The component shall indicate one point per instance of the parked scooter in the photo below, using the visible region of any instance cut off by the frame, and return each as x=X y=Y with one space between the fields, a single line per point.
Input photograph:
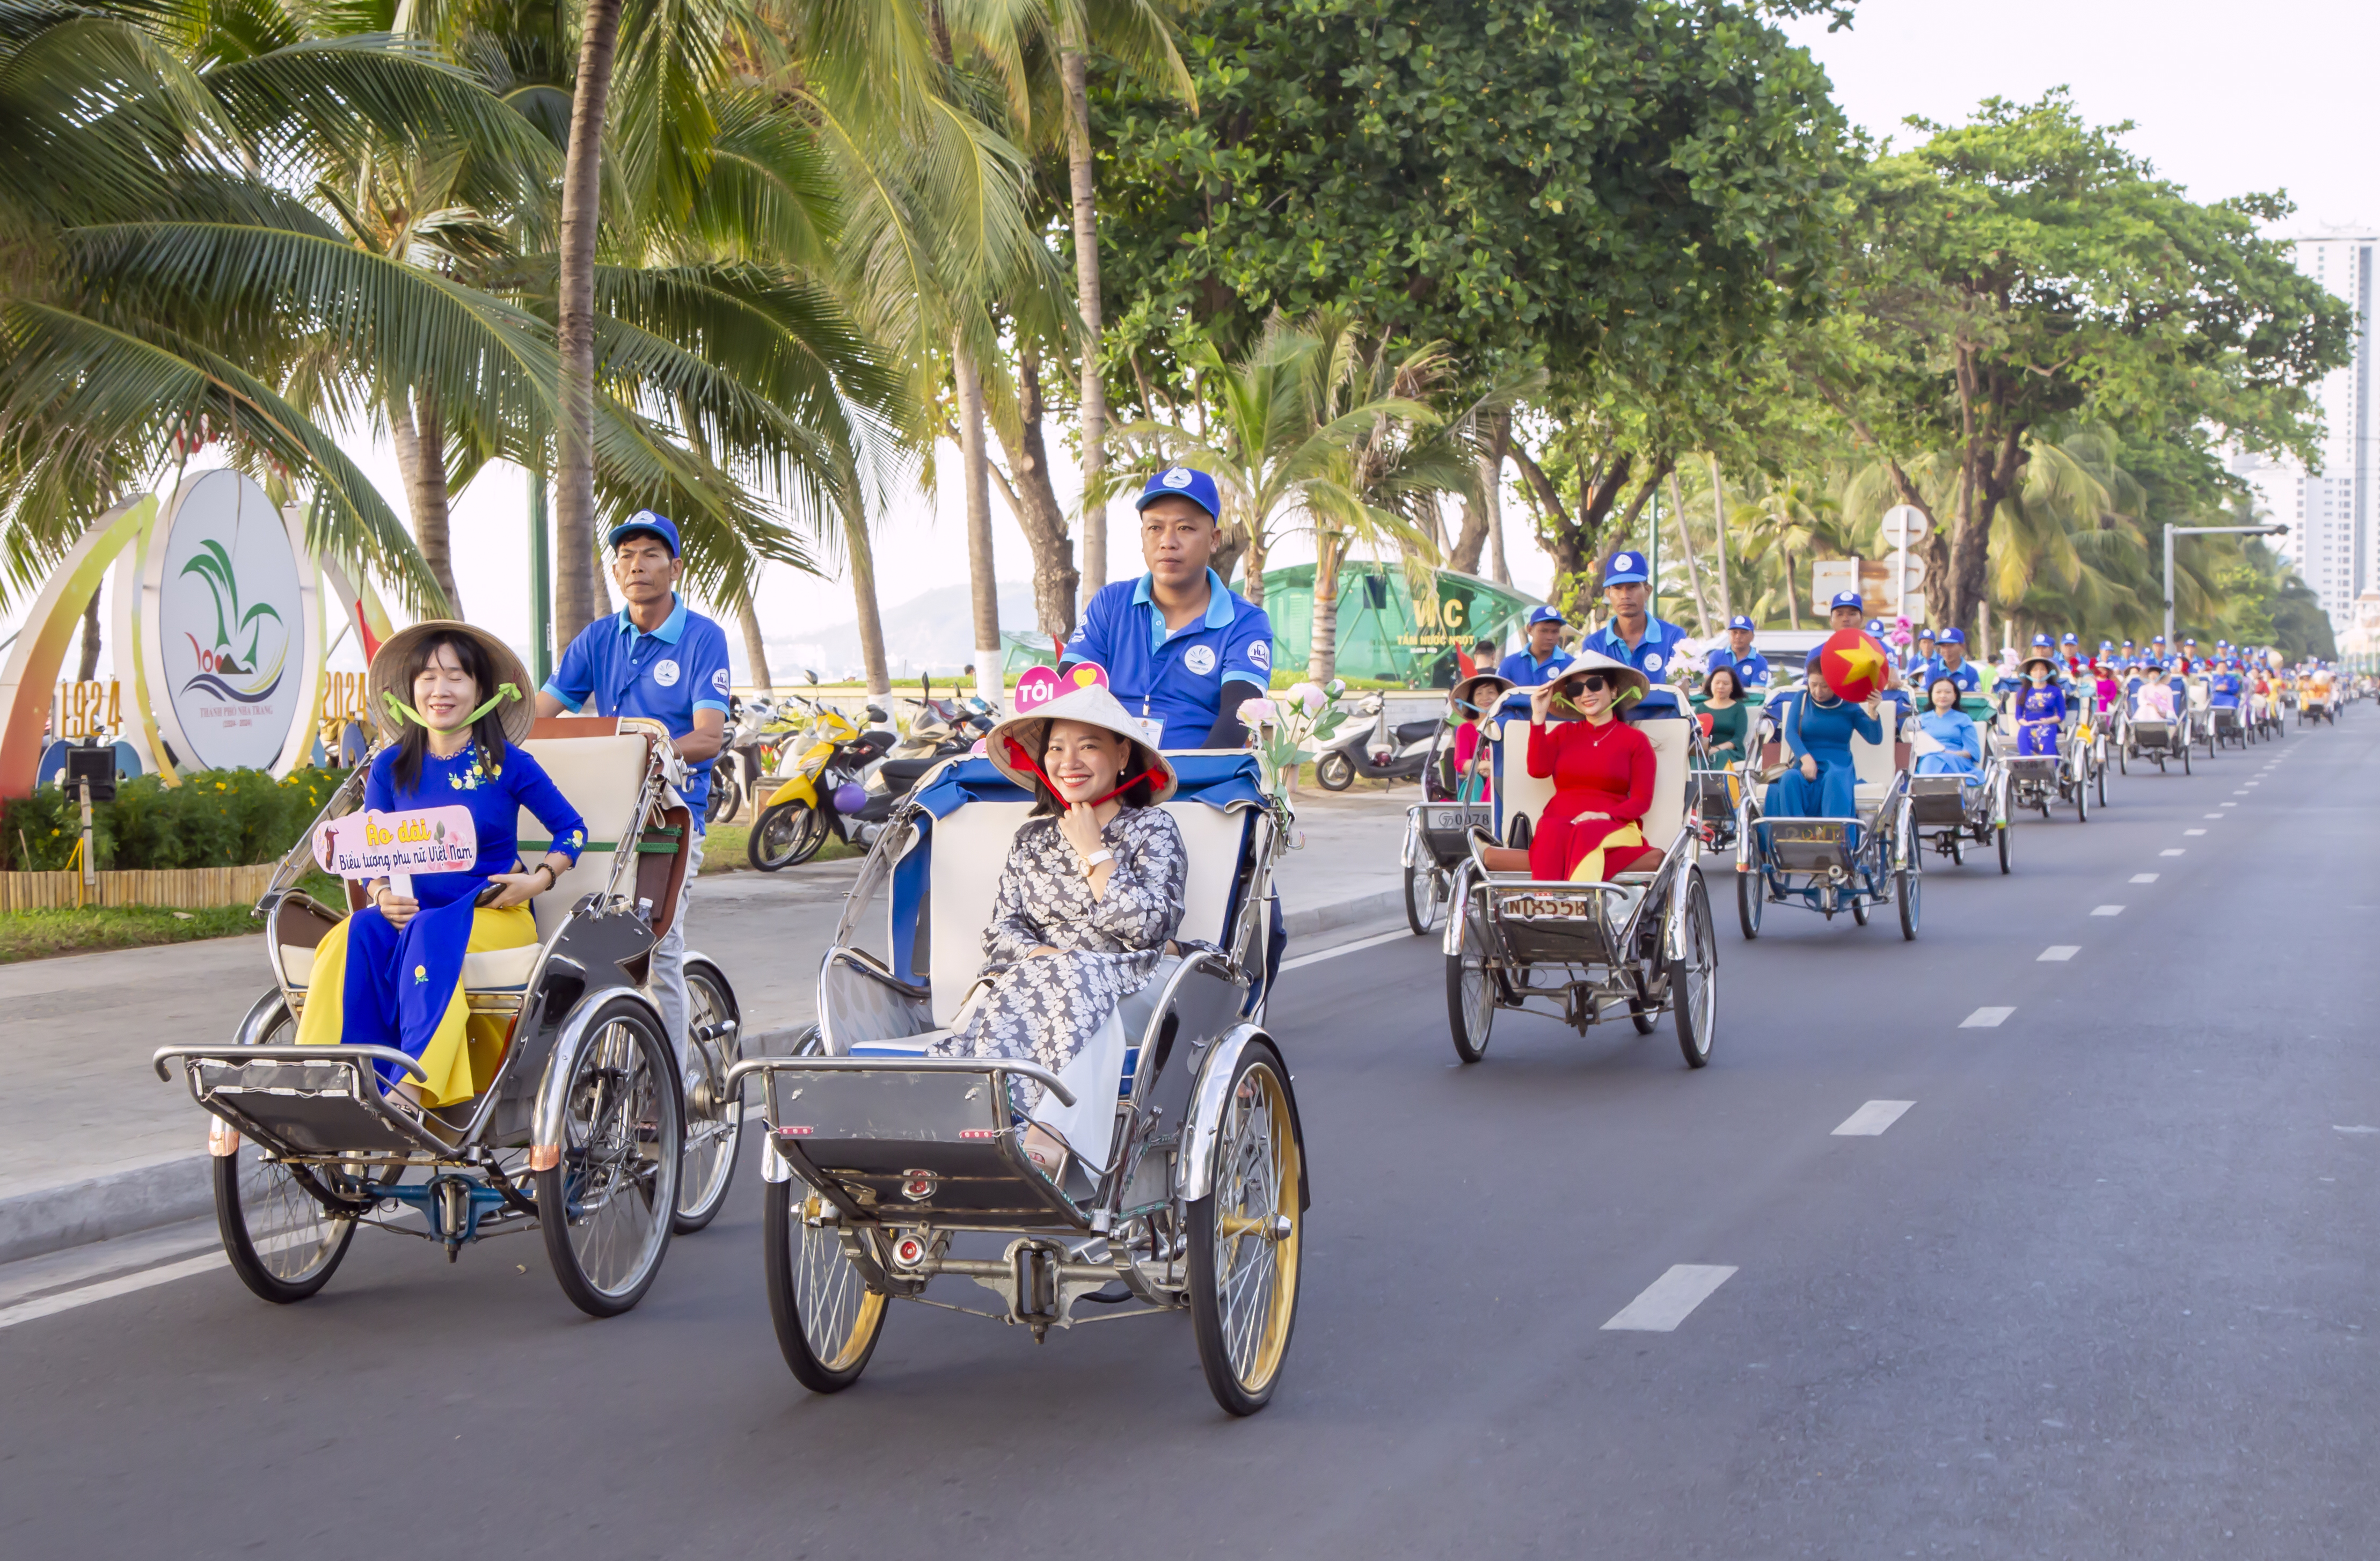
x=1374 y=750
x=758 y=731
x=845 y=784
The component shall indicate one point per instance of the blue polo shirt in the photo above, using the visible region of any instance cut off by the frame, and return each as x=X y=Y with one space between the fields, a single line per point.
x=1654 y=655
x=1527 y=670
x=1753 y=670
x=666 y=676
x=1968 y=680
x=2223 y=688
x=1175 y=677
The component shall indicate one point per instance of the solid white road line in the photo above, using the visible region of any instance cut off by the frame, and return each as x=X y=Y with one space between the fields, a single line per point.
x=2174 y=851
x=2058 y=953
x=1985 y=1018
x=1404 y=932
x=2108 y=910
x=1870 y=1120
x=1672 y=1299
x=106 y=1289
x=2147 y=877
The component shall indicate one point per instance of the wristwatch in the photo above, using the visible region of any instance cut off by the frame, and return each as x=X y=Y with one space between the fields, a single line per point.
x=1093 y=861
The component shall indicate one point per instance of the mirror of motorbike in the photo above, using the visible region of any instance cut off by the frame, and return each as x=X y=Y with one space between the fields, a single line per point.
x=875 y=713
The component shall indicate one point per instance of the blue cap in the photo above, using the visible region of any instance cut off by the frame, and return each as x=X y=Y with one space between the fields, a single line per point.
x=648 y=523
x=1625 y=568
x=1846 y=599
x=1182 y=483
x=2069 y=638
x=1951 y=636
x=1740 y=621
x=1542 y=614
x=1875 y=626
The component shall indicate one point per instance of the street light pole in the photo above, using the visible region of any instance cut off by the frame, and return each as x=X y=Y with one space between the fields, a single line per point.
x=2172 y=531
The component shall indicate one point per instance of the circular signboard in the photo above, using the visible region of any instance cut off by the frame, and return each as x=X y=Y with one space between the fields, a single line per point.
x=226 y=629
x=1904 y=523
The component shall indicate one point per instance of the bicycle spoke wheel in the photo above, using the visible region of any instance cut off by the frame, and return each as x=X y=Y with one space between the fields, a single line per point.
x=605 y=1207
x=827 y=1319
x=715 y=1119
x=1246 y=1236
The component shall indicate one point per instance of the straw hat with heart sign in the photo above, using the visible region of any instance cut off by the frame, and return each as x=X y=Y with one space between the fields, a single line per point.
x=1014 y=746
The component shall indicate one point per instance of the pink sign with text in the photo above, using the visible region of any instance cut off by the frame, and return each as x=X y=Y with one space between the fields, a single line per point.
x=376 y=845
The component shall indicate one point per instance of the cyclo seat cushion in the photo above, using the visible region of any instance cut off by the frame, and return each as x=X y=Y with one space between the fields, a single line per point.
x=502 y=970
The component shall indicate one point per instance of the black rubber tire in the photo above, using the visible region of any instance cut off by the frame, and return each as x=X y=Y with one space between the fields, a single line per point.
x=1702 y=948
x=2185 y=759
x=778 y=1208
x=1904 y=892
x=1750 y=894
x=1334 y=771
x=2002 y=831
x=725 y=800
x=256 y=1269
x=1258 y=1068
x=785 y=835
x=1469 y=1031
x=2100 y=784
x=665 y=1099
x=2082 y=802
x=1859 y=912
x=707 y=1098
x=1422 y=910
x=1645 y=1014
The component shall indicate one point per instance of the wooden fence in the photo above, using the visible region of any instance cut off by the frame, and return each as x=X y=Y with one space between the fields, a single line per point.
x=189 y=889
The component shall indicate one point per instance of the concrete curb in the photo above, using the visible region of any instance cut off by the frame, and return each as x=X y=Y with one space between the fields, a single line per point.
x=112 y=1203
x=137 y=1198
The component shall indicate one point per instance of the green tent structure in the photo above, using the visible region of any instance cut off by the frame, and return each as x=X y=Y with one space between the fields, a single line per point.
x=1384 y=634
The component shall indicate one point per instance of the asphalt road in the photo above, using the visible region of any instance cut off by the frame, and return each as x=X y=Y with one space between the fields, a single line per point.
x=2104 y=1289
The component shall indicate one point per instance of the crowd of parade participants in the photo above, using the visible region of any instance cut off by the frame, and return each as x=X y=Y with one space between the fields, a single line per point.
x=1165 y=670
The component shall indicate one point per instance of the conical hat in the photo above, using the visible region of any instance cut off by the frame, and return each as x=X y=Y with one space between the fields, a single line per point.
x=518 y=714
x=1620 y=672
x=1092 y=705
x=1472 y=689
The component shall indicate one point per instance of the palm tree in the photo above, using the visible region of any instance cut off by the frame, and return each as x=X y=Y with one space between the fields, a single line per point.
x=1275 y=439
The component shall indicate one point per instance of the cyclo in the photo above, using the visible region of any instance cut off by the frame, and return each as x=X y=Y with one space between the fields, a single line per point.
x=885 y=1165
x=2043 y=781
x=1640 y=942
x=1437 y=829
x=2150 y=738
x=1951 y=812
x=582 y=1133
x=1833 y=864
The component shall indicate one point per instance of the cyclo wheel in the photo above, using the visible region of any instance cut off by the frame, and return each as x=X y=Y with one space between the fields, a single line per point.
x=282 y=1240
x=714 y=1120
x=2002 y=831
x=786 y=834
x=1751 y=893
x=1246 y=1236
x=1904 y=892
x=1859 y=911
x=1422 y=888
x=1693 y=980
x=2185 y=758
x=607 y=1206
x=827 y=1319
x=1470 y=992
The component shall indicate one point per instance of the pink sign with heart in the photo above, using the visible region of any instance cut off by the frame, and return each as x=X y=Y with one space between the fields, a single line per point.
x=1040 y=684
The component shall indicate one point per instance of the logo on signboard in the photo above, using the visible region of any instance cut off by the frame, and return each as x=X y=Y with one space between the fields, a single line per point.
x=230 y=623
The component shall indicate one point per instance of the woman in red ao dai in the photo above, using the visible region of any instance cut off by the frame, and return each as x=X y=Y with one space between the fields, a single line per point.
x=1603 y=771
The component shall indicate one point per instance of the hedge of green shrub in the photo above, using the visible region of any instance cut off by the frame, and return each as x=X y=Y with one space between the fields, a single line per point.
x=215 y=818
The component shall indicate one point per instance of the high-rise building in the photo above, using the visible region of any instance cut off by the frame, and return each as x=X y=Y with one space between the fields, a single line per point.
x=2333 y=512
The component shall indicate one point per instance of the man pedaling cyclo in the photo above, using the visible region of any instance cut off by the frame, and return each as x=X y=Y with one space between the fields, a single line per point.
x=1180 y=647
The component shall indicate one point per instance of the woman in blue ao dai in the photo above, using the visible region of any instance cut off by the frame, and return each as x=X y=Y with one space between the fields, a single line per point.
x=391 y=974
x=2040 y=710
x=1820 y=781
x=1952 y=745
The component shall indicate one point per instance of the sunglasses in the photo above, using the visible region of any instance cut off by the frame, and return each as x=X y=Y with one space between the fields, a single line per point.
x=1593 y=683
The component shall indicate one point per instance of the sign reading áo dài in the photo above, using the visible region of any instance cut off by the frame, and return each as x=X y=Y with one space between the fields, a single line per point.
x=395 y=846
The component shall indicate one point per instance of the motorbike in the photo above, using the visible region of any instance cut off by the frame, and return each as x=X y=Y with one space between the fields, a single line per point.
x=845 y=784
x=758 y=731
x=1374 y=750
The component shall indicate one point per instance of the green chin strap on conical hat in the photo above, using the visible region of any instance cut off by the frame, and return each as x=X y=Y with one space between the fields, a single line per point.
x=389 y=696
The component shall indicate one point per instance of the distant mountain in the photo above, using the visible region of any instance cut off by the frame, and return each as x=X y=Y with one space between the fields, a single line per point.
x=933 y=633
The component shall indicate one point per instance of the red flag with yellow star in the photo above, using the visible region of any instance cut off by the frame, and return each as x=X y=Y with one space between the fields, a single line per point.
x=1854 y=664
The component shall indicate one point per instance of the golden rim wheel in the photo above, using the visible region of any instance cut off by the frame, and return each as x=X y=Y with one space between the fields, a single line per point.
x=1247 y=1236
x=827 y=1318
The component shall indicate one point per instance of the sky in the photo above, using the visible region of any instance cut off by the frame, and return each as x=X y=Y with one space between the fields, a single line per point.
x=2226 y=98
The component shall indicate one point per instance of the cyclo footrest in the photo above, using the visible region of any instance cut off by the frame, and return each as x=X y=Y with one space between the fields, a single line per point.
x=911 y=1141
x=304 y=1101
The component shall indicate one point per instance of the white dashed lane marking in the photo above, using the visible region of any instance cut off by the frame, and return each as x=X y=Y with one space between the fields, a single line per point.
x=1672 y=1299
x=1871 y=1120
x=1985 y=1018
x=2108 y=910
x=2189 y=832
x=2058 y=953
x=2149 y=877
x=2173 y=851
x=2214 y=816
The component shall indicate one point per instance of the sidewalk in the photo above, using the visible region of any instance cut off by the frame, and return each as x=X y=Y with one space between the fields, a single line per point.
x=97 y=1147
